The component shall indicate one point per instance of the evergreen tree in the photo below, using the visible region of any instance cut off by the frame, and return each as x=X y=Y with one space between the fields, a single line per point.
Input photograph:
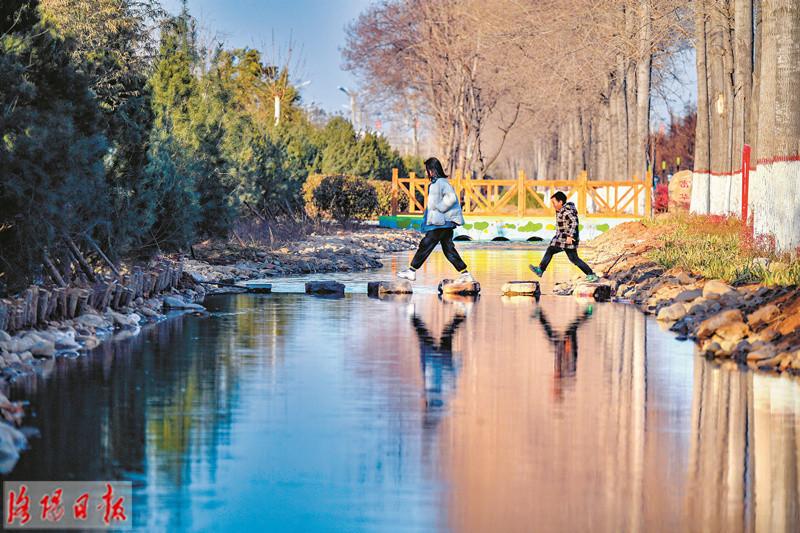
x=52 y=148
x=375 y=158
x=110 y=40
x=339 y=147
x=342 y=152
x=170 y=174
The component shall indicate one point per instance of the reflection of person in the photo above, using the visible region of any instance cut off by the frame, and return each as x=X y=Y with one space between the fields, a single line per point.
x=438 y=369
x=565 y=345
x=442 y=215
x=566 y=238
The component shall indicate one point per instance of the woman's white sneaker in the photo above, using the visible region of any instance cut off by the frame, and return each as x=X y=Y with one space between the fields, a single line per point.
x=408 y=274
x=465 y=277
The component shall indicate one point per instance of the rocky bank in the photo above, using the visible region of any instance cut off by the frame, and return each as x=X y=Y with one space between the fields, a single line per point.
x=338 y=252
x=750 y=325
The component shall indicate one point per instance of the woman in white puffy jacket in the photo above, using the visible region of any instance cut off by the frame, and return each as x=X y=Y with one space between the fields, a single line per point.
x=442 y=215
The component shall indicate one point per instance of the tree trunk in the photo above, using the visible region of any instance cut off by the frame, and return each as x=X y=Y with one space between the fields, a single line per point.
x=742 y=87
x=644 y=64
x=718 y=91
x=701 y=198
x=776 y=188
x=752 y=122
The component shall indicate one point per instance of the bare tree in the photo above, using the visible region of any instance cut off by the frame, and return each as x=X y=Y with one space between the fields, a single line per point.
x=571 y=77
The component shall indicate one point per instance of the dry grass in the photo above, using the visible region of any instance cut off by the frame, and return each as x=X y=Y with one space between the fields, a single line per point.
x=721 y=247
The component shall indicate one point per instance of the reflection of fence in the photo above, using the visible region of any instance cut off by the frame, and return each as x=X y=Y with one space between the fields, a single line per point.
x=524 y=197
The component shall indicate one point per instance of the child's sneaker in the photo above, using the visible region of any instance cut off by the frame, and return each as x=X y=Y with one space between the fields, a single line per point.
x=592 y=278
x=408 y=274
x=465 y=277
x=536 y=270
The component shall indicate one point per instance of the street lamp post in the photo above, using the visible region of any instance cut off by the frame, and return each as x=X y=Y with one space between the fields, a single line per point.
x=278 y=97
x=352 y=96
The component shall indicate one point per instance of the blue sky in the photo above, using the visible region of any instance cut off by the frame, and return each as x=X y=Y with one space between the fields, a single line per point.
x=317 y=30
x=316 y=27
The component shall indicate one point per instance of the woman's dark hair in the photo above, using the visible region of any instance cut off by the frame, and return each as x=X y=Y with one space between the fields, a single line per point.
x=560 y=196
x=435 y=167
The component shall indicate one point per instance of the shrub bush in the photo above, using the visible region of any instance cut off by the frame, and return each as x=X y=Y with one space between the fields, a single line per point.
x=309 y=186
x=384 y=190
x=345 y=198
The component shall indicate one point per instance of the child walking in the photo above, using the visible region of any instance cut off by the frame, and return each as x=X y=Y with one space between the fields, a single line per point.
x=566 y=237
x=442 y=214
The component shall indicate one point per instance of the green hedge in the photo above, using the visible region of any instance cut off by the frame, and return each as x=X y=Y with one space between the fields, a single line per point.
x=345 y=198
x=383 y=191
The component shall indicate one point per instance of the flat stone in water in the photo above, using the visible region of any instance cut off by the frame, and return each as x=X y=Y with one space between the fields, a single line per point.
x=599 y=291
x=521 y=288
x=379 y=288
x=451 y=286
x=324 y=287
x=258 y=287
x=172 y=302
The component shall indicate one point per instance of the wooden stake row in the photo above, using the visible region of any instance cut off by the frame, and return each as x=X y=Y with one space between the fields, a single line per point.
x=37 y=305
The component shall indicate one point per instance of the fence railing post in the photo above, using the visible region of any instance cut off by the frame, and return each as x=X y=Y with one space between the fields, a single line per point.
x=521 y=193
x=648 y=196
x=412 y=188
x=583 y=178
x=464 y=180
x=395 y=186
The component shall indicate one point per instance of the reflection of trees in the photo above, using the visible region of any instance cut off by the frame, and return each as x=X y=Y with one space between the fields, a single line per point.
x=192 y=404
x=776 y=413
x=744 y=469
x=155 y=408
x=516 y=461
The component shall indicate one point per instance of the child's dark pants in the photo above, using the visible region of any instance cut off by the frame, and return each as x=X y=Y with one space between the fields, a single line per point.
x=572 y=255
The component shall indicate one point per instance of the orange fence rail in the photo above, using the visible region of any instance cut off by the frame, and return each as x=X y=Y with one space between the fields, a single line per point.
x=524 y=197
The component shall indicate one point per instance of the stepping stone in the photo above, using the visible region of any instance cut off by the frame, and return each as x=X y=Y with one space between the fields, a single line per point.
x=451 y=286
x=324 y=287
x=522 y=288
x=258 y=287
x=379 y=288
x=600 y=292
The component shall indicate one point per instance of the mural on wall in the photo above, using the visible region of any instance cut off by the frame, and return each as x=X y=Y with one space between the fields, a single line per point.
x=477 y=228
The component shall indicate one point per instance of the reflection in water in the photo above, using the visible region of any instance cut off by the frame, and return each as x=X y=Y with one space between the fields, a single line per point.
x=565 y=346
x=518 y=458
x=283 y=412
x=744 y=451
x=155 y=409
x=438 y=369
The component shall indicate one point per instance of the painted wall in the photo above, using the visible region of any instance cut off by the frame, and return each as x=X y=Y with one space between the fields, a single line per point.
x=479 y=228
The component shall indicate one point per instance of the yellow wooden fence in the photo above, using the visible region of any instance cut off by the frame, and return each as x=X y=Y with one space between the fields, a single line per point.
x=525 y=197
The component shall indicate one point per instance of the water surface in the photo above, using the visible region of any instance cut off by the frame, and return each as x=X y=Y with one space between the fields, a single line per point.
x=288 y=412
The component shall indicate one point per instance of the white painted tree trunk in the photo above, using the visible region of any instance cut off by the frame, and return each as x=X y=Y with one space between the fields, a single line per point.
x=775 y=187
x=701 y=198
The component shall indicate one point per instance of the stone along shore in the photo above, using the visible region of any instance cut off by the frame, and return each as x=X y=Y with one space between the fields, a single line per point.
x=753 y=325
